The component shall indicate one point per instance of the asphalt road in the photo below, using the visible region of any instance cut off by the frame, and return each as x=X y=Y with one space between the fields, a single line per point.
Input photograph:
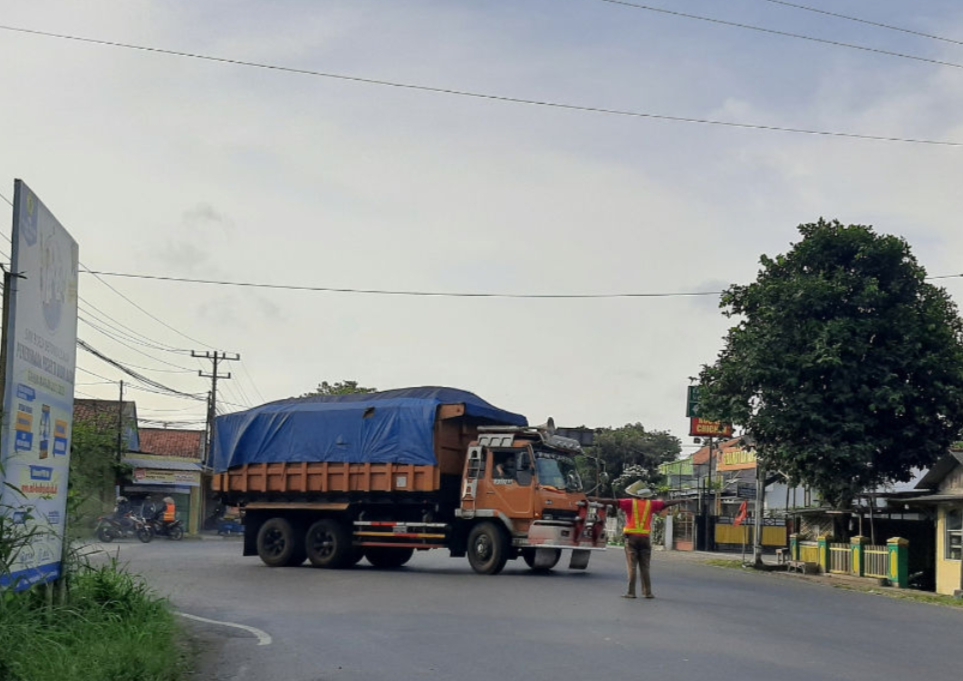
x=436 y=619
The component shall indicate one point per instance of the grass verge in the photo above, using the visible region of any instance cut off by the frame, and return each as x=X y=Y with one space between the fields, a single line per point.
x=111 y=627
x=726 y=563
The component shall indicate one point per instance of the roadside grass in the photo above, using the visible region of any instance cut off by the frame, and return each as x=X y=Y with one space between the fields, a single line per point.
x=868 y=588
x=726 y=563
x=109 y=627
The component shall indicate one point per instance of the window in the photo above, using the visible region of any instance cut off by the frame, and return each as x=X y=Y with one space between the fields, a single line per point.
x=954 y=534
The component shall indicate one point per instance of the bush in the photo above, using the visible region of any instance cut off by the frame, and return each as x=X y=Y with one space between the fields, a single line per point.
x=110 y=627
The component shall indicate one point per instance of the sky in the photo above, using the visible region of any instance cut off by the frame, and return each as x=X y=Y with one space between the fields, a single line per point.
x=180 y=167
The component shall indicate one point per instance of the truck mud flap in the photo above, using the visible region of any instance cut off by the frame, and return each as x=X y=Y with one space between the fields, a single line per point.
x=580 y=559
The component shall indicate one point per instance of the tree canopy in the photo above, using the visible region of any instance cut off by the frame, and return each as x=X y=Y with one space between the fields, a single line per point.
x=325 y=389
x=845 y=366
x=632 y=453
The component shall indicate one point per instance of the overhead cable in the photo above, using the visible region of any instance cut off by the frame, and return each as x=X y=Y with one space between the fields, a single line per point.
x=785 y=34
x=130 y=372
x=864 y=21
x=436 y=294
x=521 y=100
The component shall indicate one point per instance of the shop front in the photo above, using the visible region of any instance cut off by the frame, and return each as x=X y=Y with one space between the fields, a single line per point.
x=156 y=477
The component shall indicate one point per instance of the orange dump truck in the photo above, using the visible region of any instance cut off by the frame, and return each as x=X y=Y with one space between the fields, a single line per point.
x=379 y=476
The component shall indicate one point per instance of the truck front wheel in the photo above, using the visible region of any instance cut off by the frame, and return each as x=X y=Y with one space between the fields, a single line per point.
x=277 y=544
x=329 y=544
x=487 y=549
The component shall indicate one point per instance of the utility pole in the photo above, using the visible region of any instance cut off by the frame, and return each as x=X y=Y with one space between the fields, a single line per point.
x=760 y=507
x=216 y=358
x=120 y=423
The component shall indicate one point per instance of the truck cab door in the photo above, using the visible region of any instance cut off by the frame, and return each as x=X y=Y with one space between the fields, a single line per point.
x=508 y=485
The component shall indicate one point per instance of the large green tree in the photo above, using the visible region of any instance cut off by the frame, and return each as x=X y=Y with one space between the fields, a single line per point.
x=632 y=453
x=845 y=366
x=326 y=389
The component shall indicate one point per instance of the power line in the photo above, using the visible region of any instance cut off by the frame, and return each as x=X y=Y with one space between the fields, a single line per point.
x=387 y=292
x=122 y=338
x=785 y=34
x=130 y=372
x=155 y=318
x=7 y=200
x=437 y=294
x=521 y=100
x=251 y=381
x=117 y=325
x=864 y=21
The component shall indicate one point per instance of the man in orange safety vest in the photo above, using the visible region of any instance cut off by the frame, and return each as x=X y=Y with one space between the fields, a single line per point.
x=639 y=510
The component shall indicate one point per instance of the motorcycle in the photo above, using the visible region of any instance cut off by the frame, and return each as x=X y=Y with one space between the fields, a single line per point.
x=110 y=527
x=174 y=530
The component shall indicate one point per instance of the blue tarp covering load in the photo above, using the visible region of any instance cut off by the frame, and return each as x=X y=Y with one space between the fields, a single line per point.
x=395 y=426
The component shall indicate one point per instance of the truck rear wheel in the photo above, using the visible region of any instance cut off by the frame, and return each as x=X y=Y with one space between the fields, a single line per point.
x=328 y=544
x=387 y=558
x=487 y=549
x=277 y=544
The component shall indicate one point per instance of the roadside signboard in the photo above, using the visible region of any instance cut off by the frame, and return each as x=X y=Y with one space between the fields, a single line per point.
x=39 y=393
x=692 y=402
x=702 y=428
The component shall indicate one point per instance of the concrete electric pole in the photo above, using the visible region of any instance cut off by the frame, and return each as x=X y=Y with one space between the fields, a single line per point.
x=216 y=358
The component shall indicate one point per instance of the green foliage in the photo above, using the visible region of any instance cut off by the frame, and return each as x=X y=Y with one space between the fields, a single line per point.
x=111 y=628
x=326 y=389
x=845 y=366
x=632 y=453
x=94 y=471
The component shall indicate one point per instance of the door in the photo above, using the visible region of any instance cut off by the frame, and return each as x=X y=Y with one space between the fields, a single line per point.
x=508 y=485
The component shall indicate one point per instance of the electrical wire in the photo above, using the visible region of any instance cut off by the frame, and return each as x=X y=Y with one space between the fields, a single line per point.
x=521 y=100
x=130 y=372
x=437 y=294
x=152 y=316
x=864 y=21
x=251 y=381
x=388 y=292
x=118 y=336
x=785 y=34
x=117 y=326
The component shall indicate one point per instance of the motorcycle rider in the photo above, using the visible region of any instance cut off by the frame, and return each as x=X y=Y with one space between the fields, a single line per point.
x=120 y=514
x=170 y=512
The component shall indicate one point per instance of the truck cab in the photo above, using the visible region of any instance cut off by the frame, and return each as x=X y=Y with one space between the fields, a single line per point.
x=525 y=479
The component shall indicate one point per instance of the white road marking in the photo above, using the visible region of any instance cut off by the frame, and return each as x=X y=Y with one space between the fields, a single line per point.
x=263 y=639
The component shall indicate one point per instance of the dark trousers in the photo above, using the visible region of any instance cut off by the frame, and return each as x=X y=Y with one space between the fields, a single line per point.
x=638 y=556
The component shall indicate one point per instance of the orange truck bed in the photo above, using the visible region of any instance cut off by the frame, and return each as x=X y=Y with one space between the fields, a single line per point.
x=305 y=478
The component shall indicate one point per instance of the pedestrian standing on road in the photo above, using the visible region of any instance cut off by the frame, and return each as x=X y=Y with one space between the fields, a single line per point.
x=639 y=509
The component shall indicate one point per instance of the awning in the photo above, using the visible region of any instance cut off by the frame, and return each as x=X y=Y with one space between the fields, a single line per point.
x=935 y=498
x=162 y=465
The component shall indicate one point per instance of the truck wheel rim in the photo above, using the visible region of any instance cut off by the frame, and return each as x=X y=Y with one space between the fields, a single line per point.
x=274 y=543
x=323 y=544
x=483 y=547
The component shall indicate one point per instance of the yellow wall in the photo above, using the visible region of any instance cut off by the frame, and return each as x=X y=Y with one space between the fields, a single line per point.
x=947 y=571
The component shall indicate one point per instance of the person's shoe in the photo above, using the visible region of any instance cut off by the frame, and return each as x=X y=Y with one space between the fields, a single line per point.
x=648 y=596
x=628 y=595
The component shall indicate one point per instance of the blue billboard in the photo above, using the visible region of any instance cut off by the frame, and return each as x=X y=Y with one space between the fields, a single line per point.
x=41 y=353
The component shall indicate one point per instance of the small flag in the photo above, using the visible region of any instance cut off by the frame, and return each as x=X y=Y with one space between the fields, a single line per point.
x=743 y=514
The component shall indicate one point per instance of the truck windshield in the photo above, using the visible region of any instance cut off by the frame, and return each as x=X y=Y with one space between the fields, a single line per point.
x=558 y=471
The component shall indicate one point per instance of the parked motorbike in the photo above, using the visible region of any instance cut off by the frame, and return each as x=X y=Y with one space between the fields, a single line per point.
x=174 y=530
x=110 y=527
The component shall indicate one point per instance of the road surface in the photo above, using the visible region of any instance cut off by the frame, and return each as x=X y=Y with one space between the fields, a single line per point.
x=436 y=619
